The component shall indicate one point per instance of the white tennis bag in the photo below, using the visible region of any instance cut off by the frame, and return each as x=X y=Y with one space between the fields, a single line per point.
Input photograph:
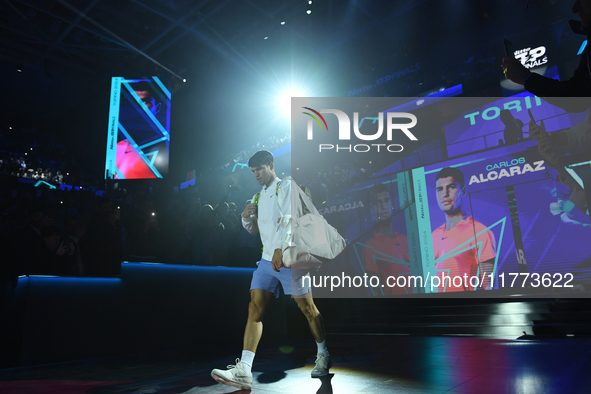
x=309 y=241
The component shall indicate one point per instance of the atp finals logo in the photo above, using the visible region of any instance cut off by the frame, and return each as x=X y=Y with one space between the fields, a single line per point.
x=345 y=130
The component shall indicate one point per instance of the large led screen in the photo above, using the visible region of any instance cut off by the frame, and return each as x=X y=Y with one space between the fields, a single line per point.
x=506 y=211
x=139 y=129
x=493 y=221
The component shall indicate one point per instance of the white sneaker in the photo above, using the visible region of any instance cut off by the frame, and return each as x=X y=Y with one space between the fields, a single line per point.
x=235 y=376
x=323 y=364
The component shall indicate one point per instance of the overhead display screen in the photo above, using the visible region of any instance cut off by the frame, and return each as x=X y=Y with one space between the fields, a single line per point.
x=139 y=129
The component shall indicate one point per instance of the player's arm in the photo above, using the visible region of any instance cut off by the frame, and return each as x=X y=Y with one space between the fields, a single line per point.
x=277 y=260
x=249 y=220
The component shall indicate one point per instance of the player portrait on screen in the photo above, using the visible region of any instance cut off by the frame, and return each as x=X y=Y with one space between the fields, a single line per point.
x=461 y=244
x=386 y=252
x=144 y=92
x=134 y=114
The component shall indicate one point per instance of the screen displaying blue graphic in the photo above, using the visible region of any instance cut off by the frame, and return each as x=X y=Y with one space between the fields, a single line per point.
x=486 y=126
x=476 y=210
x=139 y=129
x=511 y=218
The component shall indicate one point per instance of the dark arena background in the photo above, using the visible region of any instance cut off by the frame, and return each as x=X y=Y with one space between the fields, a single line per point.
x=125 y=134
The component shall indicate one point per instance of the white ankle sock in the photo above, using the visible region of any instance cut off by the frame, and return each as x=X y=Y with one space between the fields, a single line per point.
x=247 y=359
x=322 y=349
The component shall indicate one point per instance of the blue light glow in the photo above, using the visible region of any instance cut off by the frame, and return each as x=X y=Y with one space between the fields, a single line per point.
x=110 y=161
x=131 y=264
x=43 y=182
x=582 y=48
x=164 y=89
x=185 y=185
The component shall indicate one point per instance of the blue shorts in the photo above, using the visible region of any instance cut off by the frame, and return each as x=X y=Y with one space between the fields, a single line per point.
x=265 y=278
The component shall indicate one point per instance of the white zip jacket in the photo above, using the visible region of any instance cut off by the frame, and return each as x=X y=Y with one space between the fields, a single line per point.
x=273 y=210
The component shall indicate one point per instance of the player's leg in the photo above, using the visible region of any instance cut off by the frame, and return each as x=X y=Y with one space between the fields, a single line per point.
x=262 y=288
x=312 y=314
x=316 y=323
x=259 y=300
x=240 y=375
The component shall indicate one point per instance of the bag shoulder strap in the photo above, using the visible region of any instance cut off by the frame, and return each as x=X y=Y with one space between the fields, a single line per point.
x=307 y=202
x=307 y=207
x=257 y=196
x=309 y=194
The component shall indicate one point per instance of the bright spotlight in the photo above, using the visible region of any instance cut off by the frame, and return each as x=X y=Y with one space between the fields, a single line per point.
x=285 y=100
x=184 y=80
x=309 y=12
x=287 y=85
x=283 y=22
x=310 y=2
